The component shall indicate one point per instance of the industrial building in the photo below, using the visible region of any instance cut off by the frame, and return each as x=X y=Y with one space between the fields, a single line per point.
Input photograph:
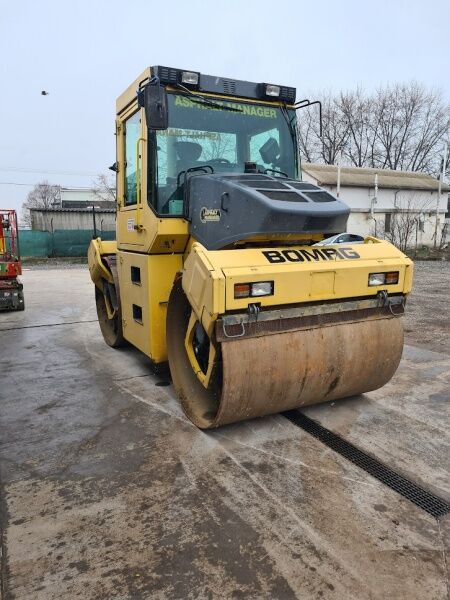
x=82 y=198
x=51 y=219
x=375 y=195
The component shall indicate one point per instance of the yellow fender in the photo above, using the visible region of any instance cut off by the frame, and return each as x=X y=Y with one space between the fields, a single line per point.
x=97 y=267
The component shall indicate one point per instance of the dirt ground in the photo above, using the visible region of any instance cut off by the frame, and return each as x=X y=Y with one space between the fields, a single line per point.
x=108 y=492
x=428 y=309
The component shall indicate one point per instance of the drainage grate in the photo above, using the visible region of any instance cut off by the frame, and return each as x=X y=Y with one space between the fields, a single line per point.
x=433 y=505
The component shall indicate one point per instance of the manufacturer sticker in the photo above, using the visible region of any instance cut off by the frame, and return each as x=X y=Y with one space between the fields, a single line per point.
x=276 y=256
x=130 y=225
x=247 y=109
x=208 y=215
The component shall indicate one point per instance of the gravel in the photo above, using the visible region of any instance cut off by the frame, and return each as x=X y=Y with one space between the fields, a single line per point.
x=427 y=322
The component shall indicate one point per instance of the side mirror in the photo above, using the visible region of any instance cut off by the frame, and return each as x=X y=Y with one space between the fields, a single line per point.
x=153 y=98
x=269 y=151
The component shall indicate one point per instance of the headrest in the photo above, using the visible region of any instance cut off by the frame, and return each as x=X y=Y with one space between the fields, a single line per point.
x=188 y=150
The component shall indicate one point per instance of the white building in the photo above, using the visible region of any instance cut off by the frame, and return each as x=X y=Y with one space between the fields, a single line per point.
x=81 y=198
x=412 y=195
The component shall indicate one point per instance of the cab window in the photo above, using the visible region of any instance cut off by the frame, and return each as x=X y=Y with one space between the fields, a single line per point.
x=219 y=137
x=181 y=149
x=257 y=142
x=132 y=134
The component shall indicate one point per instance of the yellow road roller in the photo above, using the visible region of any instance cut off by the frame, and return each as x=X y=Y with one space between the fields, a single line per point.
x=215 y=268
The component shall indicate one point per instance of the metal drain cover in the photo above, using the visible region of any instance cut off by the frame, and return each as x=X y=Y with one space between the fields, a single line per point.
x=433 y=505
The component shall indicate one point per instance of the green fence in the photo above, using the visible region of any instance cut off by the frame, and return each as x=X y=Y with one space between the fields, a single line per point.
x=62 y=242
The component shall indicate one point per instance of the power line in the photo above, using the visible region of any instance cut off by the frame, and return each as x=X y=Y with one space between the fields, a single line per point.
x=72 y=187
x=15 y=183
x=48 y=172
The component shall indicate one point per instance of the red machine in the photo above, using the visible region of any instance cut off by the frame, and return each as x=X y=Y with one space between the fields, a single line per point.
x=11 y=290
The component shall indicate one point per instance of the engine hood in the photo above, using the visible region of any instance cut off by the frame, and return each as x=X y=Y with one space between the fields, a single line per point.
x=224 y=209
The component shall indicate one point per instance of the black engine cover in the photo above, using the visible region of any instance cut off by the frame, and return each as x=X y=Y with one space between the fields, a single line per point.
x=228 y=208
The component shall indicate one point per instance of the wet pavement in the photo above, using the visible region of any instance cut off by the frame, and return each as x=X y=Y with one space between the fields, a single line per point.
x=108 y=491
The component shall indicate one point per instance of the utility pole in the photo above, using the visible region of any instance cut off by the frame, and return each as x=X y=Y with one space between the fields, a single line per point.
x=372 y=204
x=338 y=187
x=94 y=223
x=441 y=181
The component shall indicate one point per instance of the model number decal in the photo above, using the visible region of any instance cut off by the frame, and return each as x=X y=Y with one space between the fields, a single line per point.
x=209 y=214
x=277 y=256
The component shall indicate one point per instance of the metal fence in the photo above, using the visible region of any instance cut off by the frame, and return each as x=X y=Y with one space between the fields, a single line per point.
x=60 y=243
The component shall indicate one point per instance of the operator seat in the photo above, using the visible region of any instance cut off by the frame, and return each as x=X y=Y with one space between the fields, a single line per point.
x=188 y=154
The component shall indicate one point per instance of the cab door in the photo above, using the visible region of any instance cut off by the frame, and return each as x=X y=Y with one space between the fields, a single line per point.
x=131 y=179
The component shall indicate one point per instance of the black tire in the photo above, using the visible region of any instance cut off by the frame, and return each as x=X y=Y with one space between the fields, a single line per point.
x=111 y=328
x=22 y=306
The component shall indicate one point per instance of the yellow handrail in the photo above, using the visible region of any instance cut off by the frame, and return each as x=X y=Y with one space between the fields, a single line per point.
x=138 y=225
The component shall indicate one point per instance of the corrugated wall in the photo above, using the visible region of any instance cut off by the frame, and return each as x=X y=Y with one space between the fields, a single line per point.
x=62 y=242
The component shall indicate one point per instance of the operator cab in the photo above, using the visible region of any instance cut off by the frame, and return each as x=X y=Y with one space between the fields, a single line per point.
x=217 y=138
x=201 y=124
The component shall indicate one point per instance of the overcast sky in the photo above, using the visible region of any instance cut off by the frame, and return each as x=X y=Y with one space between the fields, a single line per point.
x=85 y=52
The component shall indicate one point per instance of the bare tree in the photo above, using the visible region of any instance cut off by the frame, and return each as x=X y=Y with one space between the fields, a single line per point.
x=334 y=136
x=308 y=136
x=43 y=195
x=412 y=123
x=357 y=111
x=104 y=188
x=406 y=220
x=444 y=234
x=403 y=126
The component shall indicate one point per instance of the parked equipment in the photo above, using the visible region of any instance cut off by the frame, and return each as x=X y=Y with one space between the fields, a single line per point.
x=11 y=289
x=214 y=269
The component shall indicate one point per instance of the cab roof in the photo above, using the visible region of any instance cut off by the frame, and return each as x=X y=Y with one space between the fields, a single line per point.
x=211 y=84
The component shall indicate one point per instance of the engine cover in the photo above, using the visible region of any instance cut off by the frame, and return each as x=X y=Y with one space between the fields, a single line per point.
x=227 y=208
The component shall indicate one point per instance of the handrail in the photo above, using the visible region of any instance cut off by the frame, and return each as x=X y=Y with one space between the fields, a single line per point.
x=138 y=225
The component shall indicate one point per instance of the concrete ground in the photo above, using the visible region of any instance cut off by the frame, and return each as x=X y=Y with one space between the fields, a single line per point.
x=108 y=491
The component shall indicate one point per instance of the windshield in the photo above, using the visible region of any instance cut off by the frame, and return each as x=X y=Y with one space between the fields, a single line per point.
x=200 y=134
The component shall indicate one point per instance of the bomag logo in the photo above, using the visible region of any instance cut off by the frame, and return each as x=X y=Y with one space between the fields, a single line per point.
x=277 y=256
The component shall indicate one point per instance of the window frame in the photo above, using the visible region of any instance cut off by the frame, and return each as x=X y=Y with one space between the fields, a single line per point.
x=138 y=112
x=242 y=144
x=387 y=222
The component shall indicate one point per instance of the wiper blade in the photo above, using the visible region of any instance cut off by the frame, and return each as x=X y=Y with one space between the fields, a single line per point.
x=197 y=99
x=276 y=171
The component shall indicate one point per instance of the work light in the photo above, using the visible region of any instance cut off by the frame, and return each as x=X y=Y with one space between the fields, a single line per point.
x=255 y=289
x=390 y=278
x=189 y=78
x=272 y=90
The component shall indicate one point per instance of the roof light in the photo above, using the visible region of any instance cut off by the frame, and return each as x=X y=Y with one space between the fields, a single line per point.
x=269 y=90
x=189 y=78
x=272 y=90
